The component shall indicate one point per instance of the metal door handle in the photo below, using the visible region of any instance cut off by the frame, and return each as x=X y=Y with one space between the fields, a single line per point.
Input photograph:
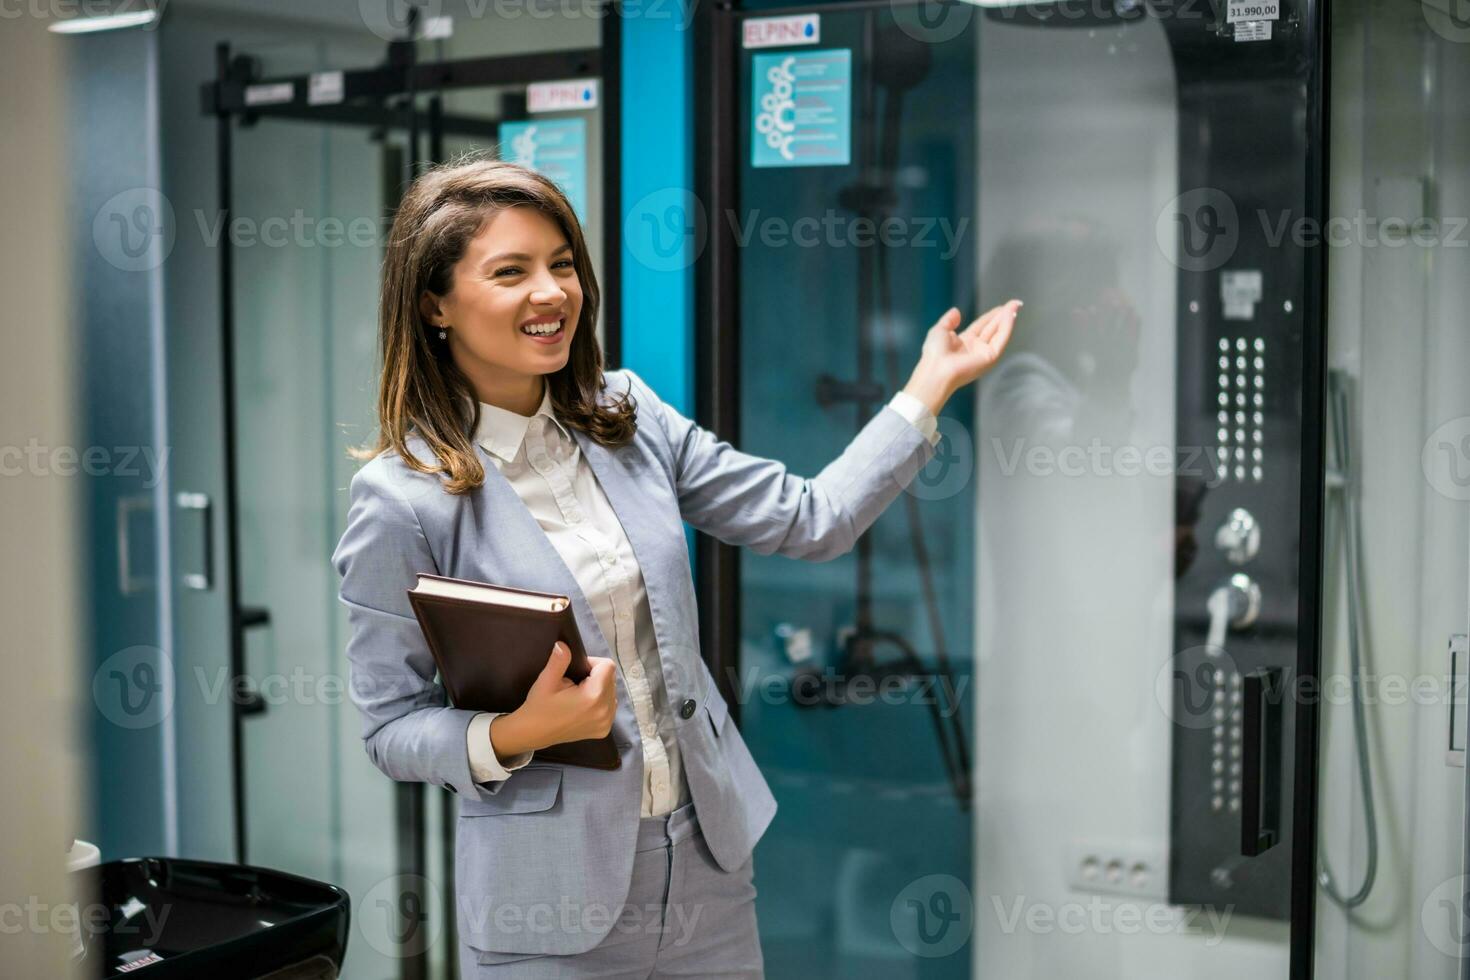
x=1260 y=803
x=1455 y=754
x=203 y=579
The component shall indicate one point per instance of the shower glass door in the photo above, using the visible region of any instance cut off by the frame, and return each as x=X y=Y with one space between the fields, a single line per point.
x=311 y=202
x=1041 y=721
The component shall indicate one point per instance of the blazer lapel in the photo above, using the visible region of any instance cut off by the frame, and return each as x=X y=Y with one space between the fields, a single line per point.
x=629 y=503
x=523 y=556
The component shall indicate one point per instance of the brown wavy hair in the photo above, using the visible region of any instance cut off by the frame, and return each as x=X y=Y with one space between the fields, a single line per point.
x=420 y=388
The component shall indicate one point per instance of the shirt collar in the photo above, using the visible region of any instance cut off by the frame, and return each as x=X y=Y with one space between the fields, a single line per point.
x=502 y=431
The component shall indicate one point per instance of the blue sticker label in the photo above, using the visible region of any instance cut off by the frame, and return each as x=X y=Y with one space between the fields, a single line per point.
x=556 y=148
x=803 y=109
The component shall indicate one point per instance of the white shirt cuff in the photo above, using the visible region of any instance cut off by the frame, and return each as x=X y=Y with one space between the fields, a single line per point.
x=918 y=415
x=485 y=767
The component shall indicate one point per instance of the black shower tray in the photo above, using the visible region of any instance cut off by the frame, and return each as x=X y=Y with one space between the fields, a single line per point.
x=170 y=917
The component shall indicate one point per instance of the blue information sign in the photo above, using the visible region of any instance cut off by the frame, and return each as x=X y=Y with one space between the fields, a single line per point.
x=803 y=108
x=556 y=148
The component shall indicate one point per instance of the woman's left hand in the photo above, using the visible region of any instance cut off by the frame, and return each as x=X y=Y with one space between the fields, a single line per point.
x=951 y=360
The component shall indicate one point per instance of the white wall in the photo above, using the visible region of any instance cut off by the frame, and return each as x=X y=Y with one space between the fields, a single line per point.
x=39 y=587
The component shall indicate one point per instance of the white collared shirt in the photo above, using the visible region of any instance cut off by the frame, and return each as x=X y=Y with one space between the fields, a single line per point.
x=541 y=460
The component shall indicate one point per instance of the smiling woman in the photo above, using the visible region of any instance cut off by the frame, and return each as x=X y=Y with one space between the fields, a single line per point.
x=545 y=481
x=491 y=293
x=483 y=255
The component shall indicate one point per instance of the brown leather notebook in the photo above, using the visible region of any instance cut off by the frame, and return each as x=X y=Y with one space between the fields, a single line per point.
x=492 y=641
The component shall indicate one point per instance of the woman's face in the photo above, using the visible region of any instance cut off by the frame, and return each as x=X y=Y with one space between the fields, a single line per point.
x=516 y=273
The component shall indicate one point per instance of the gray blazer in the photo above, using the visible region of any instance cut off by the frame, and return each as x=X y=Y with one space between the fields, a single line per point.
x=543 y=859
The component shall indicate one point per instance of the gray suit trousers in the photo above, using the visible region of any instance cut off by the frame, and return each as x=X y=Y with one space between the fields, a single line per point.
x=684 y=916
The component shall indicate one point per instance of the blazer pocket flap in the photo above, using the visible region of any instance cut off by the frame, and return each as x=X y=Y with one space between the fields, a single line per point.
x=528 y=790
x=715 y=704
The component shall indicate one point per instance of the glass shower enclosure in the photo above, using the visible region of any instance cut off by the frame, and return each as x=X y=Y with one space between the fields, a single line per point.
x=1042 y=720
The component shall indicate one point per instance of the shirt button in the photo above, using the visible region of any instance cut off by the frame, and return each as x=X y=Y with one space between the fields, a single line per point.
x=622 y=617
x=686 y=710
x=636 y=670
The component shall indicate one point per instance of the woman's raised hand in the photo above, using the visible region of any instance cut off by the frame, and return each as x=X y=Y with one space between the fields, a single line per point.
x=558 y=710
x=950 y=360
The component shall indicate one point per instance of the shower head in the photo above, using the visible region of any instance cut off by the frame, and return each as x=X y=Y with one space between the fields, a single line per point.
x=900 y=60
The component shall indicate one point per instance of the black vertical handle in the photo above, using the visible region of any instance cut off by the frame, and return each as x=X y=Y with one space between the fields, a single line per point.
x=1260 y=803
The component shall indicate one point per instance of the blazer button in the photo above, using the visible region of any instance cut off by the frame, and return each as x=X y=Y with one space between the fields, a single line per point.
x=686 y=710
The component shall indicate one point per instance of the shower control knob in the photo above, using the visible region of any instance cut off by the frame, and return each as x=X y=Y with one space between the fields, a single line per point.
x=1245 y=600
x=1239 y=537
x=796 y=642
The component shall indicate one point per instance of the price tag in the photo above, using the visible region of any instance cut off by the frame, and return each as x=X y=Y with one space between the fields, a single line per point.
x=324 y=88
x=1240 y=10
x=269 y=93
x=1253 y=30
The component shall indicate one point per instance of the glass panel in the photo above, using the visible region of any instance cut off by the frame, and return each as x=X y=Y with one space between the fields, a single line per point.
x=1097 y=562
x=1394 y=714
x=312 y=203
